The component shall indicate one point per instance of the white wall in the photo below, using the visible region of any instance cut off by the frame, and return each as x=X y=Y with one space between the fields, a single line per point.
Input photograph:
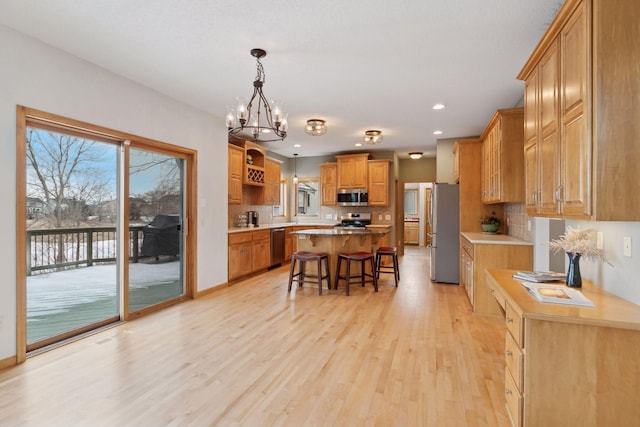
x=445 y=160
x=38 y=76
x=623 y=277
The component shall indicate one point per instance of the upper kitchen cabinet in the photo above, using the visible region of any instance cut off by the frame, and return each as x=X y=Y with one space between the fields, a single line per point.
x=581 y=108
x=254 y=163
x=378 y=182
x=502 y=159
x=328 y=183
x=352 y=170
x=271 y=182
x=236 y=161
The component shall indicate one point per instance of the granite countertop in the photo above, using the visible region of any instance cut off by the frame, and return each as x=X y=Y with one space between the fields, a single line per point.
x=493 y=239
x=281 y=224
x=340 y=232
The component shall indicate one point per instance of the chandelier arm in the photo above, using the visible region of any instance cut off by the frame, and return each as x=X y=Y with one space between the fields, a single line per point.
x=267 y=111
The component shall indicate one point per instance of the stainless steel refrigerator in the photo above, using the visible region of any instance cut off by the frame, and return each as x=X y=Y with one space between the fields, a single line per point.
x=444 y=219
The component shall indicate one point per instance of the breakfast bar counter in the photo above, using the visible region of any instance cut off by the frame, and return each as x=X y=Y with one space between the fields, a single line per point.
x=335 y=241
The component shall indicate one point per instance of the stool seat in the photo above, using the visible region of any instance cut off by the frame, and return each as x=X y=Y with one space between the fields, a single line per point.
x=385 y=250
x=363 y=277
x=393 y=253
x=302 y=277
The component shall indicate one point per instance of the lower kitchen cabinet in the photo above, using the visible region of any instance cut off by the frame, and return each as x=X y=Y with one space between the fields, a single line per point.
x=479 y=252
x=568 y=365
x=249 y=251
x=411 y=232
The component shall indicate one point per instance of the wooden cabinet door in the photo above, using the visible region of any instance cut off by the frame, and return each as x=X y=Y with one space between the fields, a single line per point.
x=239 y=260
x=549 y=133
x=575 y=151
x=378 y=184
x=486 y=160
x=236 y=166
x=271 y=182
x=328 y=183
x=531 y=177
x=260 y=255
x=352 y=170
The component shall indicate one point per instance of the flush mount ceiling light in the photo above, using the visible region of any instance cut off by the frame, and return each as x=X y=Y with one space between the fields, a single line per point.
x=316 y=127
x=438 y=107
x=264 y=123
x=373 y=137
x=415 y=155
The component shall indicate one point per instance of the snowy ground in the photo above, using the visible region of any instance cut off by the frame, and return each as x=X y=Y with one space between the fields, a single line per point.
x=65 y=300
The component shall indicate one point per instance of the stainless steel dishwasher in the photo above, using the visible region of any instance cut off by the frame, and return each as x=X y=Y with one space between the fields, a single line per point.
x=277 y=246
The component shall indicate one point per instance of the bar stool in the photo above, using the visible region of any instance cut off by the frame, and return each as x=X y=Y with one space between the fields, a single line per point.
x=360 y=257
x=301 y=277
x=393 y=253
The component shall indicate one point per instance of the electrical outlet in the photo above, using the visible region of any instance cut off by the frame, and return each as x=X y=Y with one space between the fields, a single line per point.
x=387 y=217
x=327 y=216
x=627 y=246
x=380 y=217
x=599 y=240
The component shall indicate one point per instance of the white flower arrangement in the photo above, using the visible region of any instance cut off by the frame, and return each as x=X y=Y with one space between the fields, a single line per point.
x=577 y=241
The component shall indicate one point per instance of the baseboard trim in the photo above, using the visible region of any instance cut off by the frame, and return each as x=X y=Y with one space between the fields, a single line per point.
x=8 y=362
x=211 y=290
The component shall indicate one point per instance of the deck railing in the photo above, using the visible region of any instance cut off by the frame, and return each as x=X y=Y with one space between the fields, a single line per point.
x=63 y=248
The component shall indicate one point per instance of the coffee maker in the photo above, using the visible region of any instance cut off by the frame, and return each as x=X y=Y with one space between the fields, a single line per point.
x=252 y=218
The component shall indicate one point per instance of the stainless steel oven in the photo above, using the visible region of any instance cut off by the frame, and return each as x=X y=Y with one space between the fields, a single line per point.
x=353 y=197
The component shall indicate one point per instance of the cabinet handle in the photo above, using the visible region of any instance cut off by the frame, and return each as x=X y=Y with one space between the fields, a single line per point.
x=508 y=392
x=491 y=291
x=538 y=197
x=509 y=320
x=509 y=353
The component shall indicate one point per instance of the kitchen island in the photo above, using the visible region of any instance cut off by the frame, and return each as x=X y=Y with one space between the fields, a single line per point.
x=334 y=241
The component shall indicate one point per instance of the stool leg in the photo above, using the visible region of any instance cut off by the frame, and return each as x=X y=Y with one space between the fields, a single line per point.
x=293 y=267
x=319 y=276
x=337 y=273
x=348 y=278
x=362 y=270
x=373 y=275
x=328 y=276
x=378 y=259
x=396 y=268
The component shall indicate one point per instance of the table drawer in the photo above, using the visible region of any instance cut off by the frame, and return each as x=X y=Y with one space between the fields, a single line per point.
x=514 y=324
x=514 y=400
x=498 y=295
x=514 y=361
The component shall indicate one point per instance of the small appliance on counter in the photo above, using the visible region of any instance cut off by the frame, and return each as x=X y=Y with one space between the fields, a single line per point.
x=253 y=219
x=354 y=220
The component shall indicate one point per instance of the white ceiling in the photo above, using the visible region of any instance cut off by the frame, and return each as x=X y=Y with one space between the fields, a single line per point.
x=359 y=64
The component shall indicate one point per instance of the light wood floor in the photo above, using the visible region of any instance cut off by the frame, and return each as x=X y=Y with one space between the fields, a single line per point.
x=252 y=355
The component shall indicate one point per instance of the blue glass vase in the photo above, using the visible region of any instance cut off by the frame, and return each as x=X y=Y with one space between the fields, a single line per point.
x=574 y=280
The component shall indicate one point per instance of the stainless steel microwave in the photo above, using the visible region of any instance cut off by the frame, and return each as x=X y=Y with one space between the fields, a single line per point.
x=353 y=197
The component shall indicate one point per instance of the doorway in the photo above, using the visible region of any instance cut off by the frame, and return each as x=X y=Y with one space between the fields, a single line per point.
x=102 y=230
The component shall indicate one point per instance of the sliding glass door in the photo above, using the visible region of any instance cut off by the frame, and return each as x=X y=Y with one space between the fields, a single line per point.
x=102 y=227
x=156 y=217
x=71 y=229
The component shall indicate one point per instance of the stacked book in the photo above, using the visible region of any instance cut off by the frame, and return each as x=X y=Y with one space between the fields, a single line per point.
x=557 y=294
x=540 y=276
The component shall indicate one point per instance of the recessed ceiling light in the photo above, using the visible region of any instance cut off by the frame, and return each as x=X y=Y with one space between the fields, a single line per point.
x=438 y=106
x=297 y=145
x=358 y=144
x=437 y=132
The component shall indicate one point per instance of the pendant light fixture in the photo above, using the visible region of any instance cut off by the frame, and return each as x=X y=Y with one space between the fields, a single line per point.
x=295 y=168
x=316 y=127
x=373 y=137
x=264 y=123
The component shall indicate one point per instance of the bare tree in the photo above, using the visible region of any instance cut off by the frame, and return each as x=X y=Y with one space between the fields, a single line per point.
x=63 y=172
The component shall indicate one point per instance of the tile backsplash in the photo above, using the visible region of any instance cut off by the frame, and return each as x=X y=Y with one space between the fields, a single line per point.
x=517 y=221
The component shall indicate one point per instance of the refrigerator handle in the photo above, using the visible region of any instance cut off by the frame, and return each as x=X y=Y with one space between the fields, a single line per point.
x=430 y=210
